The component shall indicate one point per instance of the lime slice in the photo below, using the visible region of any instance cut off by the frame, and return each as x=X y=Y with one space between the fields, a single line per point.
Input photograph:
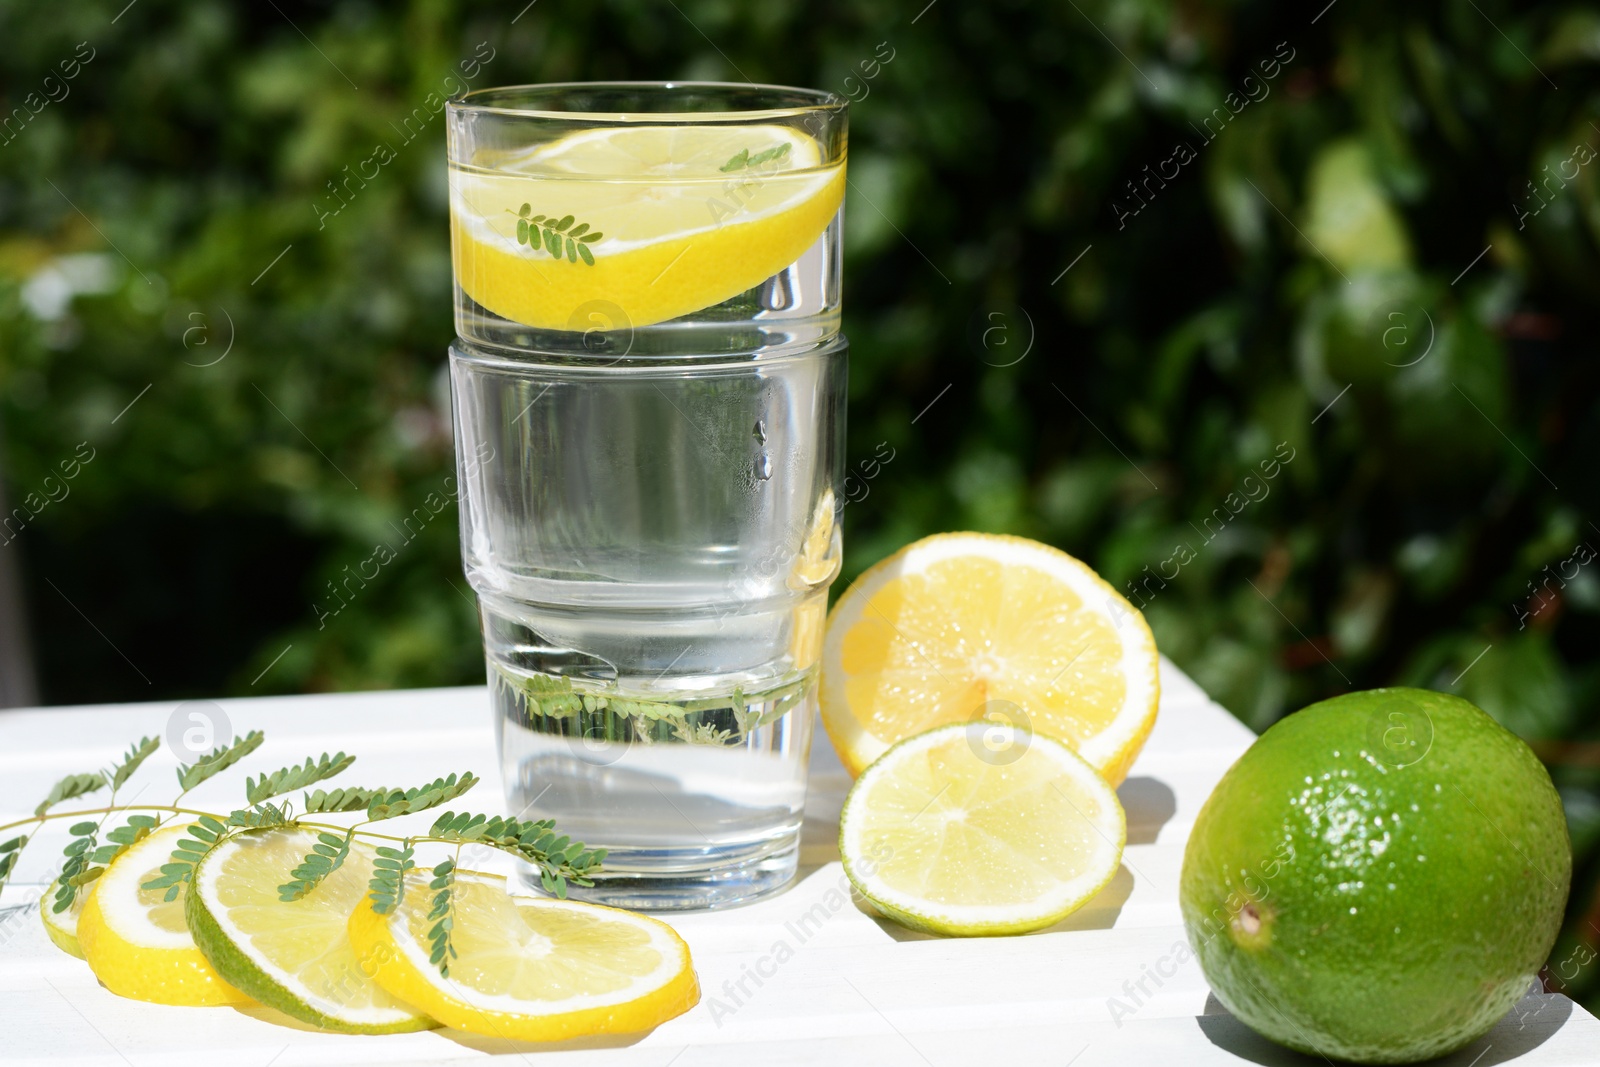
x=294 y=956
x=678 y=232
x=980 y=828
x=62 y=927
x=965 y=626
x=529 y=968
x=137 y=943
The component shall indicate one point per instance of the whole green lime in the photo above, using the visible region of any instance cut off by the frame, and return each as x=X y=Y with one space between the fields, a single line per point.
x=1379 y=878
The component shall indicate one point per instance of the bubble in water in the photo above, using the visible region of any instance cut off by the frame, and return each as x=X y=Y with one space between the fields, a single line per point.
x=760 y=432
x=763 y=466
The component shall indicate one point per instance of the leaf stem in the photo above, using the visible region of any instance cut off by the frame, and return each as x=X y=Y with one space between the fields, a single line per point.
x=42 y=819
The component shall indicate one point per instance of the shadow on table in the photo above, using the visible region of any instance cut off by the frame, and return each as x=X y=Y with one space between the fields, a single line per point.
x=1529 y=1024
x=1099 y=914
x=1150 y=803
x=501 y=1046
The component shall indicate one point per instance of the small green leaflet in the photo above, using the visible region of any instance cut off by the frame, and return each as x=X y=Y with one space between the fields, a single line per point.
x=744 y=160
x=70 y=787
x=441 y=914
x=388 y=884
x=551 y=233
x=325 y=857
x=399 y=802
x=136 y=755
x=218 y=760
x=180 y=869
x=291 y=778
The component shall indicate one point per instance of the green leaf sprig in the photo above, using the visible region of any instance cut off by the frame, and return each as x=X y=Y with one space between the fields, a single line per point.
x=388 y=885
x=84 y=858
x=553 y=235
x=70 y=788
x=560 y=861
x=218 y=760
x=743 y=160
x=325 y=857
x=289 y=779
x=442 y=915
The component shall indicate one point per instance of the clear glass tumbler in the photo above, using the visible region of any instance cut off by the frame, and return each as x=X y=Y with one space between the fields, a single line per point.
x=649 y=412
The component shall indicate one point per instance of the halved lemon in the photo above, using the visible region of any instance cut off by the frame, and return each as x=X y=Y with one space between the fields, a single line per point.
x=678 y=231
x=529 y=968
x=62 y=926
x=978 y=828
x=294 y=956
x=966 y=626
x=138 y=944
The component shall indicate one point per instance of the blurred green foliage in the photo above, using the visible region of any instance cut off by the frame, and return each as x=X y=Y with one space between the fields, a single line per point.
x=1104 y=261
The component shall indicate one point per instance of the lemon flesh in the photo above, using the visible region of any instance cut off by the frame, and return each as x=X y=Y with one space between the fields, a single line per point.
x=137 y=943
x=975 y=828
x=1378 y=878
x=526 y=968
x=966 y=626
x=679 y=233
x=294 y=956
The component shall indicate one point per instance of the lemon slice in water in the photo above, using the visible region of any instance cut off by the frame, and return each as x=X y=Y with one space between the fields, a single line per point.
x=678 y=231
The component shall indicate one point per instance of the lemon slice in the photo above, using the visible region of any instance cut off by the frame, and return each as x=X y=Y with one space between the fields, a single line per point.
x=678 y=232
x=294 y=956
x=977 y=828
x=62 y=927
x=527 y=968
x=966 y=626
x=138 y=944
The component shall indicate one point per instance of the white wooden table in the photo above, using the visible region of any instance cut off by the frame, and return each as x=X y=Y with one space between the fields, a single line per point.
x=1102 y=988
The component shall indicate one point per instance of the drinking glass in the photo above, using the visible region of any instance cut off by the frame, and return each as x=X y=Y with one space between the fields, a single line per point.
x=648 y=385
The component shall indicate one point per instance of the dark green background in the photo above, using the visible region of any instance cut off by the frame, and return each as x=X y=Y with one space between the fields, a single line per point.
x=1329 y=236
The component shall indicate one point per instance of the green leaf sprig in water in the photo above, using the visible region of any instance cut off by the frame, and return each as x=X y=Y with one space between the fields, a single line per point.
x=560 y=861
x=743 y=160
x=554 y=236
